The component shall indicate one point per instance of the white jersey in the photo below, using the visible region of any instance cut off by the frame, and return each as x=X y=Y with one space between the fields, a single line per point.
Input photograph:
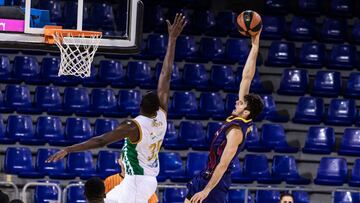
x=141 y=158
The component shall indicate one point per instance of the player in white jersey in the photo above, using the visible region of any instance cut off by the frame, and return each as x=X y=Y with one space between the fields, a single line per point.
x=143 y=135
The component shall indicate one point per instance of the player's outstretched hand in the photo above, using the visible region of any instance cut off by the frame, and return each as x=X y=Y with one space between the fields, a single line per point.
x=176 y=28
x=199 y=197
x=57 y=156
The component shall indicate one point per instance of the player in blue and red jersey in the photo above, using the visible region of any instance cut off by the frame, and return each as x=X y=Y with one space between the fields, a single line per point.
x=212 y=185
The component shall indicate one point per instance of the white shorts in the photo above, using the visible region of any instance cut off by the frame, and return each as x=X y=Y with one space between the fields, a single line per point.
x=133 y=189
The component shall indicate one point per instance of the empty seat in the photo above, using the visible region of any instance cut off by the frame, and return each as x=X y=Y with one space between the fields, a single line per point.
x=55 y=170
x=281 y=54
x=184 y=104
x=310 y=7
x=294 y=82
x=254 y=143
x=17 y=96
x=45 y=194
x=211 y=129
x=193 y=135
x=309 y=110
x=20 y=128
x=47 y=97
x=196 y=76
x=355 y=34
x=103 y=16
x=156 y=45
x=270 y=112
x=195 y=162
x=343 y=57
x=301 y=28
x=26 y=68
x=212 y=104
x=154 y=19
x=4 y=138
x=276 y=6
x=129 y=101
x=103 y=100
x=50 y=69
x=256 y=167
x=185 y=47
x=211 y=49
x=285 y=167
x=274 y=137
x=111 y=71
x=353 y=85
x=273 y=27
x=76 y=99
x=139 y=73
x=203 y=21
x=170 y=165
x=107 y=163
x=333 y=30
x=77 y=129
x=225 y=23
x=230 y=102
x=346 y=197
x=312 y=55
x=341 y=7
x=5 y=68
x=355 y=175
x=236 y=50
x=75 y=194
x=174 y=195
x=350 y=142
x=172 y=140
x=237 y=174
x=341 y=112
x=103 y=126
x=319 y=140
x=238 y=196
x=17 y=160
x=267 y=196
x=80 y=163
x=222 y=77
x=301 y=196
x=50 y=129
x=331 y=171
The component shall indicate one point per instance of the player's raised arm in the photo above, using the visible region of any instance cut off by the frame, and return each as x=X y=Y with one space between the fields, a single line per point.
x=250 y=67
x=174 y=30
x=127 y=129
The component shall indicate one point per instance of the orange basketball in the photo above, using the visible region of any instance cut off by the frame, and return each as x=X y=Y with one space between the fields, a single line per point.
x=249 y=23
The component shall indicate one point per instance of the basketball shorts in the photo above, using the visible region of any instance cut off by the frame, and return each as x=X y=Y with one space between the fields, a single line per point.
x=133 y=189
x=217 y=195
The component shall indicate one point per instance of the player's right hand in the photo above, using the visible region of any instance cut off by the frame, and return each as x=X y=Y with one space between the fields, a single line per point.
x=57 y=156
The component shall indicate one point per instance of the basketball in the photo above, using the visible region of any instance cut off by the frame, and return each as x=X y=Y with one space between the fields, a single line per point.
x=249 y=23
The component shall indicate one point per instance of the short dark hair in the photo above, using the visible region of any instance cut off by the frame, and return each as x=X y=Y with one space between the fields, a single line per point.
x=4 y=197
x=94 y=189
x=285 y=194
x=254 y=104
x=150 y=103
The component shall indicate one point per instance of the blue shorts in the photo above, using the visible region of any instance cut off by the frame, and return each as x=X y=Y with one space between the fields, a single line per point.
x=217 y=195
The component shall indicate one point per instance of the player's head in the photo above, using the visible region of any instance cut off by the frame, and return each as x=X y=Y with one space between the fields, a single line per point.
x=250 y=108
x=286 y=198
x=94 y=190
x=150 y=103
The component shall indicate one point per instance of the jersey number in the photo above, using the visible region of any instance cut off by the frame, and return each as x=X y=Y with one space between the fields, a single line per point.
x=154 y=149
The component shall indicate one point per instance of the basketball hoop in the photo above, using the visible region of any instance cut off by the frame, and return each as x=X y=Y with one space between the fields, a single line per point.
x=77 y=49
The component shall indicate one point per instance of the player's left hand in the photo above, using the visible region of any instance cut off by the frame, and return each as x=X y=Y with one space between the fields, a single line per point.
x=199 y=197
x=57 y=156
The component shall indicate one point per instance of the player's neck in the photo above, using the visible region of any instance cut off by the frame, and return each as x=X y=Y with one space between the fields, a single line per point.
x=148 y=115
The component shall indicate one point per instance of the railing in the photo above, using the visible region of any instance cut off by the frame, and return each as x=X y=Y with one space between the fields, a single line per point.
x=11 y=184
x=23 y=193
x=67 y=188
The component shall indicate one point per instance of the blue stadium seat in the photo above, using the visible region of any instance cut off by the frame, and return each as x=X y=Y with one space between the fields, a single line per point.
x=352 y=89
x=267 y=196
x=184 y=104
x=327 y=84
x=310 y=7
x=294 y=82
x=103 y=16
x=354 y=181
x=193 y=135
x=139 y=73
x=331 y=171
x=270 y=113
x=285 y=167
x=55 y=170
x=355 y=34
x=238 y=196
x=343 y=57
x=341 y=112
x=26 y=68
x=47 y=97
x=80 y=163
x=129 y=101
x=103 y=101
x=55 y=9
x=350 y=142
x=256 y=167
x=174 y=195
x=211 y=49
x=281 y=54
x=312 y=55
x=309 y=110
x=236 y=51
x=5 y=68
x=301 y=28
x=211 y=129
x=170 y=165
x=195 y=162
x=346 y=197
x=77 y=129
x=319 y=140
x=75 y=194
x=112 y=72
x=225 y=23
x=273 y=27
x=341 y=8
x=106 y=125
x=237 y=174
x=50 y=129
x=254 y=143
x=18 y=161
x=4 y=138
x=20 y=128
x=276 y=6
x=274 y=137
x=203 y=21
x=50 y=69
x=107 y=163
x=18 y=97
x=172 y=140
x=301 y=196
x=212 y=105
x=185 y=48
x=196 y=76
x=45 y=194
x=92 y=80
x=156 y=46
x=154 y=19
x=76 y=99
x=333 y=30
x=176 y=81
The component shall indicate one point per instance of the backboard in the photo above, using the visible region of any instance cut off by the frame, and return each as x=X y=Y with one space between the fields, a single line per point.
x=120 y=21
